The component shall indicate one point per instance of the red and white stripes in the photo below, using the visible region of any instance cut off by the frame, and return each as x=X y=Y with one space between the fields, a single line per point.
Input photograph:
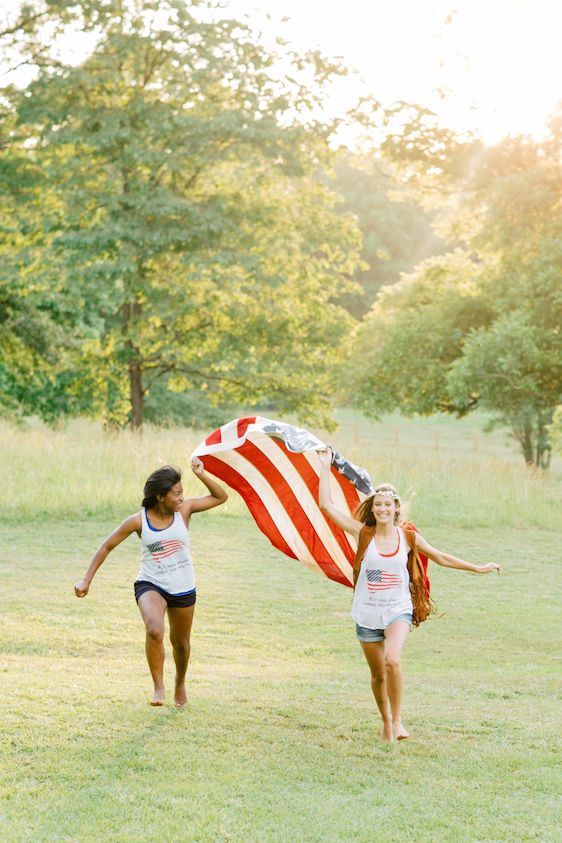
x=280 y=488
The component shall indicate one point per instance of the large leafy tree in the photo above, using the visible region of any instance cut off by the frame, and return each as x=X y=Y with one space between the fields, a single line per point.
x=188 y=236
x=34 y=346
x=415 y=331
x=479 y=327
x=514 y=367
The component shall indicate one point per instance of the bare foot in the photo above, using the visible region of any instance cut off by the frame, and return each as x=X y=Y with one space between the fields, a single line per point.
x=158 y=696
x=386 y=733
x=180 y=696
x=400 y=732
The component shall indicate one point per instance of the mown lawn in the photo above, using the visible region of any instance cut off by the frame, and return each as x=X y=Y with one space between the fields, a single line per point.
x=279 y=741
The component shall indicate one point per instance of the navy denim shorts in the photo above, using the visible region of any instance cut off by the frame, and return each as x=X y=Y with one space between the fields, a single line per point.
x=365 y=634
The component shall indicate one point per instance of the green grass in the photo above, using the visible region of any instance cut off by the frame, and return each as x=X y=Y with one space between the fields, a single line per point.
x=279 y=740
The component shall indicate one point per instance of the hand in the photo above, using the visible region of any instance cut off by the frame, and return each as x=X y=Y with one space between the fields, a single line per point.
x=325 y=457
x=197 y=467
x=81 y=588
x=491 y=566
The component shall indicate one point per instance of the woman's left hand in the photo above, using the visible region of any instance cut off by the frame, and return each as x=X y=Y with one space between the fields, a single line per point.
x=197 y=467
x=491 y=566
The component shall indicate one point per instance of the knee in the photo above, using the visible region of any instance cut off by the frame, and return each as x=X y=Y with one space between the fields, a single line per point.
x=378 y=677
x=392 y=664
x=155 y=631
x=181 y=646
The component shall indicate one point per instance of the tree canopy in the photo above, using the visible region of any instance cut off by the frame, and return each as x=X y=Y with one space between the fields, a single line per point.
x=481 y=325
x=180 y=231
x=397 y=231
x=178 y=217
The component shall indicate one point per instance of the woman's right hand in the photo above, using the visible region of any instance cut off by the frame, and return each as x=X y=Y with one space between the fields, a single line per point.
x=81 y=588
x=325 y=457
x=491 y=566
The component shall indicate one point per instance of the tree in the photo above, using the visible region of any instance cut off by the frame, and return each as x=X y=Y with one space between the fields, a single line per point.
x=397 y=233
x=508 y=369
x=514 y=368
x=34 y=346
x=481 y=328
x=191 y=237
x=475 y=330
x=404 y=348
x=445 y=339
x=555 y=430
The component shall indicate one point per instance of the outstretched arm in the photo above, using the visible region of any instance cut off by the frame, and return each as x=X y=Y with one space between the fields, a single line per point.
x=217 y=494
x=342 y=519
x=449 y=561
x=129 y=525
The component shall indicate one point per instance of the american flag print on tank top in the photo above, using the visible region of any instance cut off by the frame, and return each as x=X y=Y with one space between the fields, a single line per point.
x=382 y=592
x=166 y=557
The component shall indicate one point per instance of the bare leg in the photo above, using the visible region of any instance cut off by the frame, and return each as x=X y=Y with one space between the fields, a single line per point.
x=374 y=653
x=152 y=608
x=395 y=638
x=181 y=620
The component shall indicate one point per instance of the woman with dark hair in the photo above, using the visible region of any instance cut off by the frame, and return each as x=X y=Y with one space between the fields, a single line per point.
x=391 y=590
x=166 y=581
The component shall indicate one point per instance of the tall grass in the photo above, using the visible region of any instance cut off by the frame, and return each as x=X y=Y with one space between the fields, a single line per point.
x=80 y=471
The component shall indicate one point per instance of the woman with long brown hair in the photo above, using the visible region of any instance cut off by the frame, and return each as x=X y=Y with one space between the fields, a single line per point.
x=391 y=590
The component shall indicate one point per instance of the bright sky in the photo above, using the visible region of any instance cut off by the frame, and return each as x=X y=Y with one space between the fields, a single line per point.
x=492 y=66
x=497 y=63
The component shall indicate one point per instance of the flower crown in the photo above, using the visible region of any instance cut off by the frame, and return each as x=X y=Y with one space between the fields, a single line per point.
x=389 y=493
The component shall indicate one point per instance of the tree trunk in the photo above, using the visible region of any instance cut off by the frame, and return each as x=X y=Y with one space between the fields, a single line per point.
x=544 y=458
x=136 y=391
x=136 y=394
x=543 y=450
x=527 y=443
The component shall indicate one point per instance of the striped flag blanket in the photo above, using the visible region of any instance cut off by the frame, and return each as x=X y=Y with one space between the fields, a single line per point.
x=275 y=468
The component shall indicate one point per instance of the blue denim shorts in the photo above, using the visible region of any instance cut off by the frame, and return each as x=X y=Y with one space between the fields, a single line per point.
x=365 y=634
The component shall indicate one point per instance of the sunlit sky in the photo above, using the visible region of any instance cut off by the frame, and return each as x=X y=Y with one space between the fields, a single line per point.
x=493 y=66
x=490 y=66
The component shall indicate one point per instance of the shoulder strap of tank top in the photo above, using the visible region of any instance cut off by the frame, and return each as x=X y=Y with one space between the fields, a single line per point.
x=366 y=533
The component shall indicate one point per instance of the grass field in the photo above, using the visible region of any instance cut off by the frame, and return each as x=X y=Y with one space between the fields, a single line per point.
x=450 y=471
x=279 y=741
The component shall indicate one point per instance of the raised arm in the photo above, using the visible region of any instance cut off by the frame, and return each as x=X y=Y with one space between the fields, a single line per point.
x=132 y=524
x=342 y=519
x=449 y=561
x=216 y=496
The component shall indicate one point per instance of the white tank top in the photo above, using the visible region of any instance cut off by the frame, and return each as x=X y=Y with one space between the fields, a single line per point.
x=383 y=586
x=165 y=556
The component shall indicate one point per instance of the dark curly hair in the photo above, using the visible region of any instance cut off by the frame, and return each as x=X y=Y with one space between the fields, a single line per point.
x=159 y=483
